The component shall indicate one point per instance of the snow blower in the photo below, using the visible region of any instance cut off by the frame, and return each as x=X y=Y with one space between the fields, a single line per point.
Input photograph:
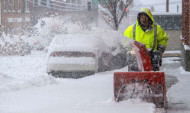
x=143 y=83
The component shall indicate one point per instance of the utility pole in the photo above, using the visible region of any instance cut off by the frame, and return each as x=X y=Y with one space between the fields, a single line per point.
x=167 y=5
x=0 y=13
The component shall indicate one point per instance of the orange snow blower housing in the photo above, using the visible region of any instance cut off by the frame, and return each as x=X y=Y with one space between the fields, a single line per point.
x=145 y=83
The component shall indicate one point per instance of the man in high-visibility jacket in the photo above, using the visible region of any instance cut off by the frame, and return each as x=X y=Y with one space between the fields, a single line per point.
x=149 y=33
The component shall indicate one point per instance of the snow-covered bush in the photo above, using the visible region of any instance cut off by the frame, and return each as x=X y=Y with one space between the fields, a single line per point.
x=48 y=27
x=13 y=45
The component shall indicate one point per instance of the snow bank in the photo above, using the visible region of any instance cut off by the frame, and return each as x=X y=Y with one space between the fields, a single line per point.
x=25 y=87
x=91 y=94
x=187 y=47
x=22 y=72
x=178 y=94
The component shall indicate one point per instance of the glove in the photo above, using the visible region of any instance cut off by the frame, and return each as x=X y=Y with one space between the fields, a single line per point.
x=161 y=48
x=157 y=58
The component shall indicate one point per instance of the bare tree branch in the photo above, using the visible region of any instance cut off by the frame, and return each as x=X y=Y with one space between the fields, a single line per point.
x=108 y=22
x=127 y=5
x=115 y=9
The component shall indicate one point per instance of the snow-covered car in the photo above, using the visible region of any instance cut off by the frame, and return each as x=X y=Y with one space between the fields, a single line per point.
x=77 y=53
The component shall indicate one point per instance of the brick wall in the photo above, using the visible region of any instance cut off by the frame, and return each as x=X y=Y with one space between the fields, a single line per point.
x=186 y=21
x=185 y=53
x=26 y=14
x=60 y=7
x=15 y=16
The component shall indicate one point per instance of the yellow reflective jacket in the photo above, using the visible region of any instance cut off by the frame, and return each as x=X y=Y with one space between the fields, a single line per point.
x=147 y=37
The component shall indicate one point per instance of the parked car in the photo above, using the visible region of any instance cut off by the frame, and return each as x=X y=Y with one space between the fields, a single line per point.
x=76 y=55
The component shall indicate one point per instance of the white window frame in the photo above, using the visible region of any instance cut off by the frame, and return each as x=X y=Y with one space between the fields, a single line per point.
x=19 y=19
x=10 y=19
x=27 y=19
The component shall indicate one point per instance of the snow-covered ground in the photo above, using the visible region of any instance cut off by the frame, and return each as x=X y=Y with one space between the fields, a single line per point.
x=178 y=95
x=26 y=88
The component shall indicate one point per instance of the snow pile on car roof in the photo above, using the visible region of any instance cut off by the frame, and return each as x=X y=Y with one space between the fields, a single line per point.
x=78 y=42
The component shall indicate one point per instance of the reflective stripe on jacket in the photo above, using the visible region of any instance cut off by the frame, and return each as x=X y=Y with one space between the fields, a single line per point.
x=147 y=37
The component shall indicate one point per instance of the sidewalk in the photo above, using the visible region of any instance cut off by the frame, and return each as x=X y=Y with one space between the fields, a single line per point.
x=177 y=84
x=171 y=54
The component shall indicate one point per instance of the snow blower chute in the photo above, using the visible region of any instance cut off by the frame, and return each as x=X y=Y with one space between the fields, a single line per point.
x=145 y=83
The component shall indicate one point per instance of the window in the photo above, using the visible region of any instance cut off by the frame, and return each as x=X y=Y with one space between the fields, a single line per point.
x=76 y=1
x=27 y=6
x=4 y=6
x=35 y=2
x=89 y=6
x=51 y=3
x=13 y=5
x=63 y=4
x=9 y=5
x=18 y=5
x=69 y=1
x=169 y=22
x=43 y=2
x=10 y=19
x=79 y=2
x=73 y=1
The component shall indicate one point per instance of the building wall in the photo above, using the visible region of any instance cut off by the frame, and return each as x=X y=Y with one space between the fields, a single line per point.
x=186 y=21
x=63 y=5
x=15 y=15
x=77 y=9
x=174 y=42
x=185 y=45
